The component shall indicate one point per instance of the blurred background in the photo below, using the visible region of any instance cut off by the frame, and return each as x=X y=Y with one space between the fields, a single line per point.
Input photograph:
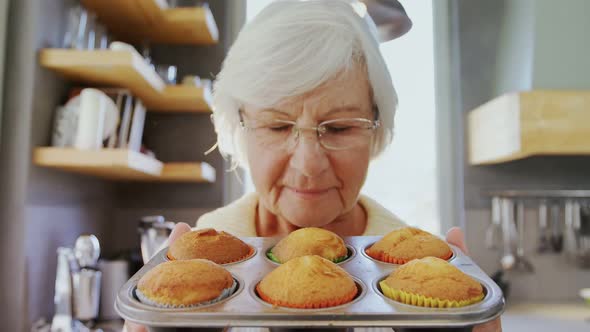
x=105 y=121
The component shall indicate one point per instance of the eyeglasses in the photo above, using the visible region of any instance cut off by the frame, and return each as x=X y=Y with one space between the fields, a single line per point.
x=337 y=134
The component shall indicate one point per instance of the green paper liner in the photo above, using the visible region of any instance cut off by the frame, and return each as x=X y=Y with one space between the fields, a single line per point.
x=274 y=258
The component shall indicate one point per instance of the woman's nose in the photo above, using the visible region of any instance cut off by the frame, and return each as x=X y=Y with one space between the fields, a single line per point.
x=308 y=156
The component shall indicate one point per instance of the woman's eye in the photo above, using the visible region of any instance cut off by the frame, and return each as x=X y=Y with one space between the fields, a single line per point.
x=280 y=127
x=337 y=129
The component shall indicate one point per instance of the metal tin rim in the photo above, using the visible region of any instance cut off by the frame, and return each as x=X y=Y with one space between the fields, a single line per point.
x=377 y=290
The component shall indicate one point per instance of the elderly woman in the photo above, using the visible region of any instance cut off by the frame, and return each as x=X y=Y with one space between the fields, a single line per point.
x=304 y=101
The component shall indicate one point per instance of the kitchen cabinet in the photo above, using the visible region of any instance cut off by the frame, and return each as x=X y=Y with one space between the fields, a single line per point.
x=534 y=123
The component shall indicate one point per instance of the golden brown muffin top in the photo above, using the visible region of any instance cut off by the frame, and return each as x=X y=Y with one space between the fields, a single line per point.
x=436 y=278
x=308 y=279
x=310 y=241
x=219 y=247
x=185 y=282
x=410 y=243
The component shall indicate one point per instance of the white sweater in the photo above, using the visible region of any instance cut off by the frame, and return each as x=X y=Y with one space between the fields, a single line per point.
x=239 y=217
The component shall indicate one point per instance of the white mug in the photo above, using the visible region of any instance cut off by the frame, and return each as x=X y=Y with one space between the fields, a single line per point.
x=98 y=118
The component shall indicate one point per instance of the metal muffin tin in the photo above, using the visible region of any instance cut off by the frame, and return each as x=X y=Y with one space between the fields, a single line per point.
x=369 y=309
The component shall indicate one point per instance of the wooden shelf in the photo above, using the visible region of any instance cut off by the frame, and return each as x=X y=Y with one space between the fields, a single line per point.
x=187 y=172
x=151 y=20
x=180 y=98
x=121 y=165
x=126 y=70
x=524 y=124
x=115 y=164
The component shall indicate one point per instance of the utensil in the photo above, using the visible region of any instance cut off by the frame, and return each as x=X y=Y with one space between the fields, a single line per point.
x=544 y=244
x=570 y=241
x=556 y=232
x=522 y=263
x=154 y=231
x=494 y=230
x=507 y=261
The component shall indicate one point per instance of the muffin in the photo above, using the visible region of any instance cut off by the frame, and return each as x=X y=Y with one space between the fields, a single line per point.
x=307 y=282
x=219 y=247
x=402 y=245
x=432 y=282
x=309 y=241
x=186 y=283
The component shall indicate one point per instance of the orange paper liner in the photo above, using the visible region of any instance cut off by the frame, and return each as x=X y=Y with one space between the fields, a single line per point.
x=424 y=301
x=385 y=257
x=323 y=304
x=248 y=255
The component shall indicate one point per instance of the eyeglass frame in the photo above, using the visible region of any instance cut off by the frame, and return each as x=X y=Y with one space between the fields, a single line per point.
x=375 y=124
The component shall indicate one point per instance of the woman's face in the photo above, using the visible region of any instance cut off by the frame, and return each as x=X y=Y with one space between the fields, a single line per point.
x=306 y=184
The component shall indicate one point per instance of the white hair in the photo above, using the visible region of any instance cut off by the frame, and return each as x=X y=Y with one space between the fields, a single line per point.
x=290 y=48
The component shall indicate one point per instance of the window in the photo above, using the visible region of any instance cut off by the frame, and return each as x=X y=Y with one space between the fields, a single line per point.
x=404 y=179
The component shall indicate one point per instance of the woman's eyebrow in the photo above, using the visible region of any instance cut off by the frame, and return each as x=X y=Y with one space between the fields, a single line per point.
x=274 y=111
x=343 y=109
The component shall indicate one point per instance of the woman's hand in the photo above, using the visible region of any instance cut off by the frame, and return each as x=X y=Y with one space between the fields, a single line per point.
x=178 y=230
x=456 y=237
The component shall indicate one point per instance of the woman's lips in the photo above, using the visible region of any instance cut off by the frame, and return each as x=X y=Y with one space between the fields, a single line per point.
x=308 y=193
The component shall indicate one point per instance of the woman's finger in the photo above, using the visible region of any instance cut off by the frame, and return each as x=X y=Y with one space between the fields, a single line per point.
x=456 y=237
x=132 y=327
x=178 y=230
x=492 y=326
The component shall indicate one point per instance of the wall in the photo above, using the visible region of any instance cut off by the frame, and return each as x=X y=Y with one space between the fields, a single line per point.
x=493 y=49
x=41 y=209
x=3 y=33
x=182 y=137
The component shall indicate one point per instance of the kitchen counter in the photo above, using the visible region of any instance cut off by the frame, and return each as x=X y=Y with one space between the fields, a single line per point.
x=548 y=316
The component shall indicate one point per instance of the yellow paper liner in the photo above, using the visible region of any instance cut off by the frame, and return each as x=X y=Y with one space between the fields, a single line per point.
x=248 y=255
x=385 y=257
x=423 y=301
x=318 y=305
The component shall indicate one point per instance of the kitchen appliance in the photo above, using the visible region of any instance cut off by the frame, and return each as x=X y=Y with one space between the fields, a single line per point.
x=114 y=275
x=77 y=286
x=370 y=309
x=153 y=231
